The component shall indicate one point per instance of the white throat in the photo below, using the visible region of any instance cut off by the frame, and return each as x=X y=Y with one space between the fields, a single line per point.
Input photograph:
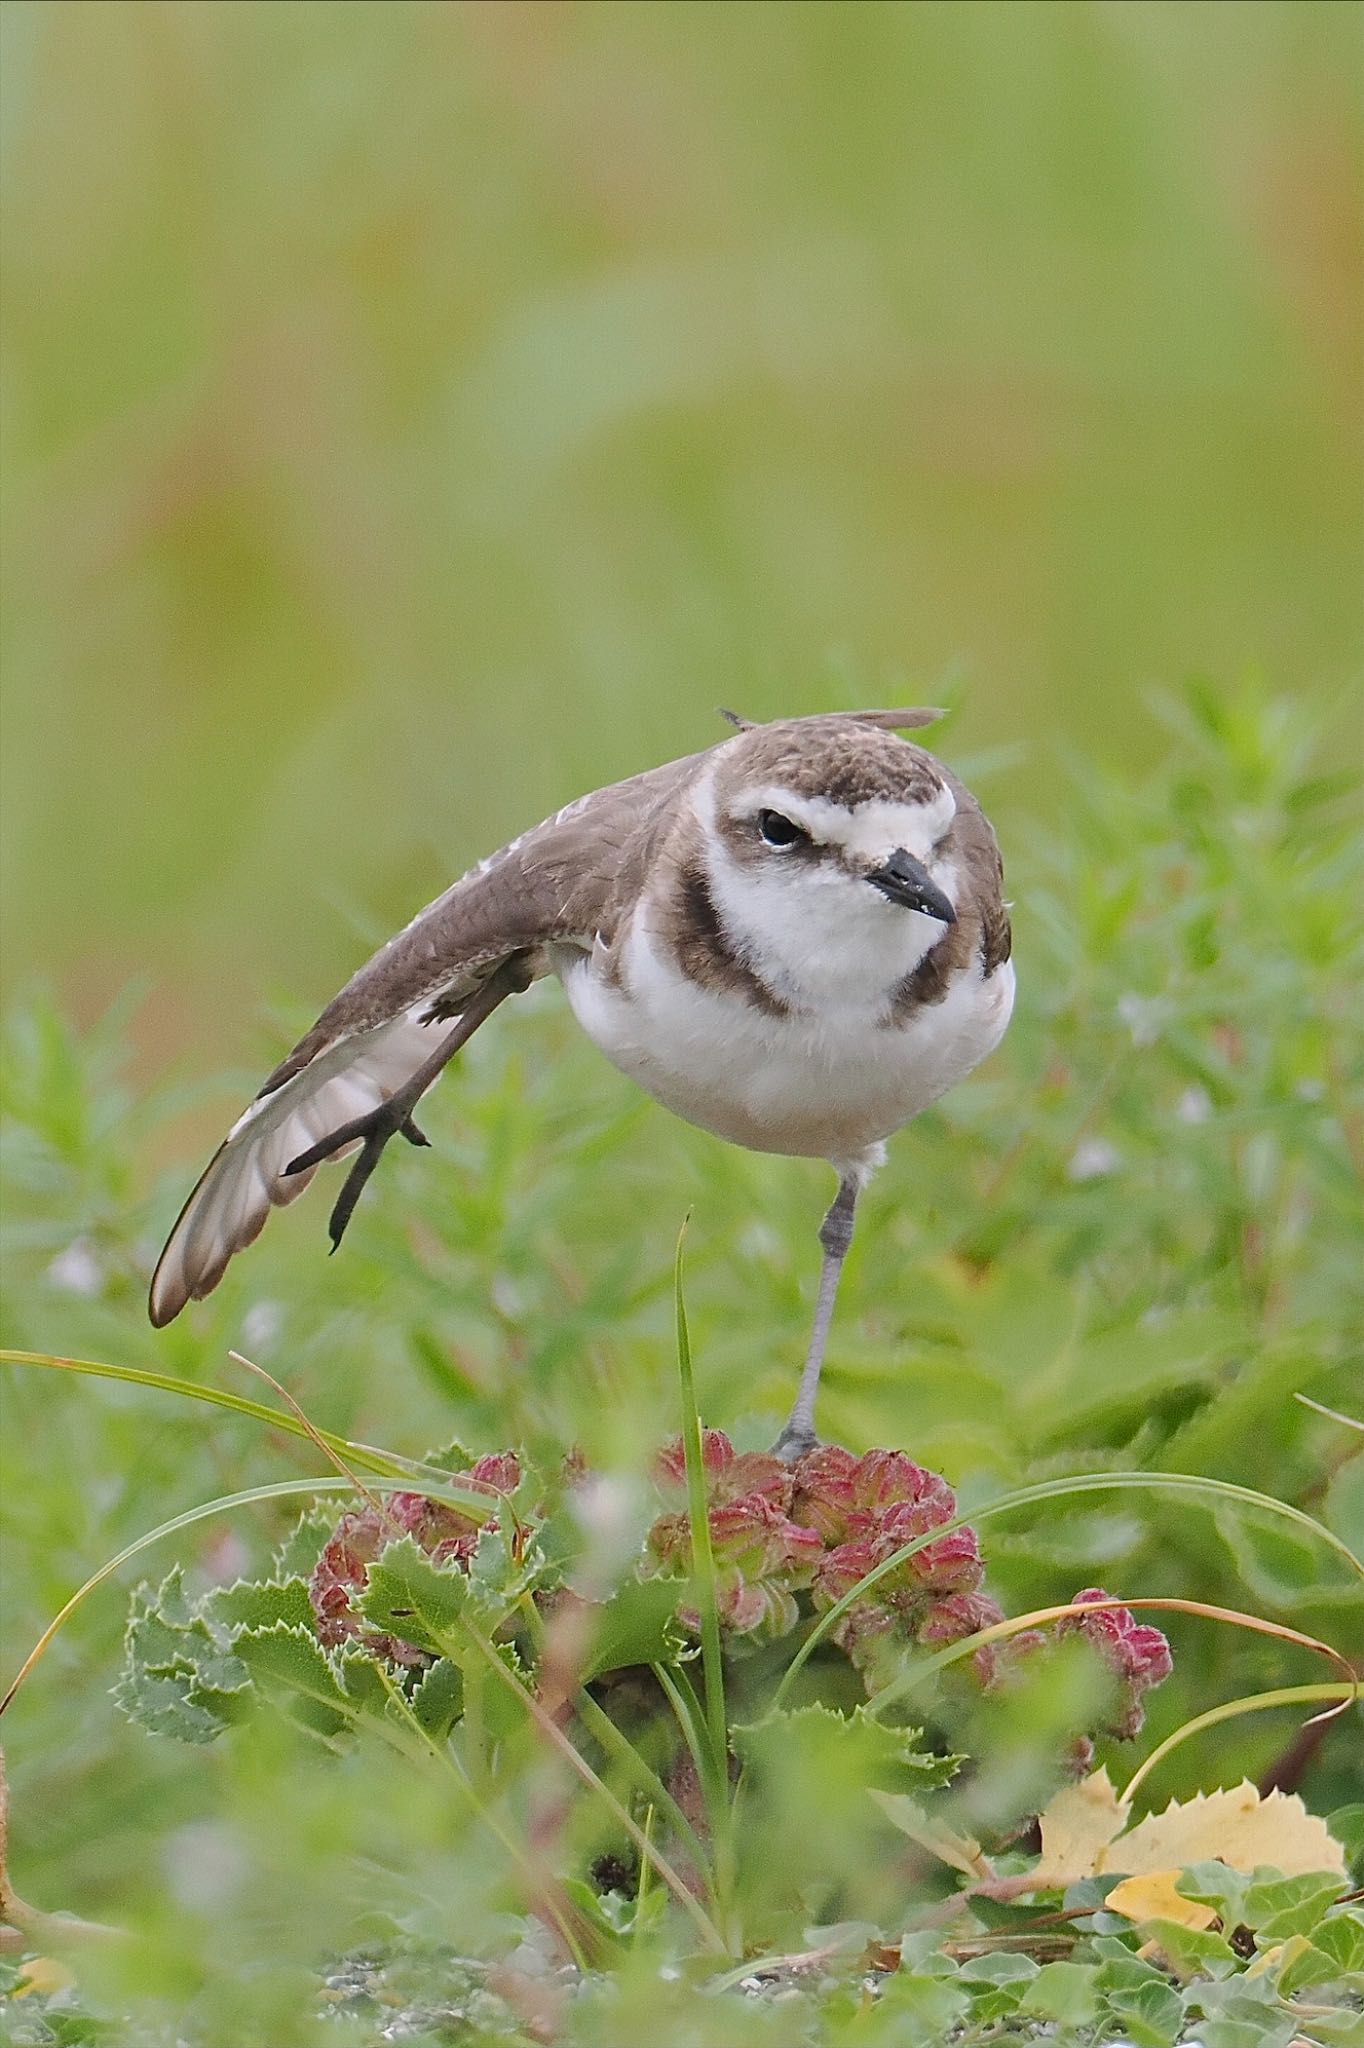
x=822 y=939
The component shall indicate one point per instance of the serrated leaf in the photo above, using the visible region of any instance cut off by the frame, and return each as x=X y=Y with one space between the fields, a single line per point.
x=504 y=1711
x=437 y=1700
x=815 y=1741
x=1234 y=1825
x=410 y=1597
x=449 y=1457
x=498 y=1577
x=1077 y=1827
x=179 y=1678
x=363 y=1683
x=260 y=1603
x=166 y=1706
x=290 y=1666
x=1082 y=1835
x=298 y=1553
x=637 y=1625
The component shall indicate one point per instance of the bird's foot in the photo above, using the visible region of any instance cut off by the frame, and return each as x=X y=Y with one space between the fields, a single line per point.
x=391 y=1119
x=794 y=1442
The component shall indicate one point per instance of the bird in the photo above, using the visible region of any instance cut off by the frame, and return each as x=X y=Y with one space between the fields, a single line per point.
x=795 y=938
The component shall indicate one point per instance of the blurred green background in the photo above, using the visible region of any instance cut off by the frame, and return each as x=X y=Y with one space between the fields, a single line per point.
x=416 y=414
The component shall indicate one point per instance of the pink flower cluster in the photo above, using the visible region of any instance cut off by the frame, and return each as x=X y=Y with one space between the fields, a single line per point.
x=763 y=1555
x=1138 y=1655
x=446 y=1534
x=821 y=1525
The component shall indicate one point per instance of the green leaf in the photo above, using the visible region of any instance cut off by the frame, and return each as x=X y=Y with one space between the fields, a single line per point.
x=167 y=1706
x=301 y=1548
x=997 y=1982
x=1193 y=1951
x=999 y=1968
x=437 y=1700
x=498 y=1577
x=1347 y=1828
x=1147 y=2010
x=1279 y=1907
x=929 y=2005
x=1303 y=1964
x=828 y=1748
x=410 y=1597
x=1064 y=1992
x=1219 y=1886
x=363 y=1682
x=1244 y=2013
x=290 y=1666
x=637 y=1625
x=1341 y=1937
x=259 y=1603
x=180 y=1677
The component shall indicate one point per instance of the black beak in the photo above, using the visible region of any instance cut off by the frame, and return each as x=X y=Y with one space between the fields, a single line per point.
x=906 y=880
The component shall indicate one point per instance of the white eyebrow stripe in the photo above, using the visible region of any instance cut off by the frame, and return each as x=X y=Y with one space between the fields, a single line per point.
x=871 y=828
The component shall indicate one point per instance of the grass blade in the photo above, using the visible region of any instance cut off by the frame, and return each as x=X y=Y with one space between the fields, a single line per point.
x=386 y=1463
x=925 y=1667
x=702 y=1554
x=1058 y=1489
x=1231 y=1710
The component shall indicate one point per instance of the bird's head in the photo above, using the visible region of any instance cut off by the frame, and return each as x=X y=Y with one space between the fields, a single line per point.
x=830 y=853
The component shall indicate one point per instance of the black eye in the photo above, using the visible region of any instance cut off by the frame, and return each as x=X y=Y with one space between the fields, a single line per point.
x=780 y=831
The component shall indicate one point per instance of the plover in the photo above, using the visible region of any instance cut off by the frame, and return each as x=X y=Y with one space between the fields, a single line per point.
x=796 y=939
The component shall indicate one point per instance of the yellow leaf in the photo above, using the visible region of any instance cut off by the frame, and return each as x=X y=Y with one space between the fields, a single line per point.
x=1153 y=1897
x=1077 y=1827
x=1234 y=1826
x=44 y=1975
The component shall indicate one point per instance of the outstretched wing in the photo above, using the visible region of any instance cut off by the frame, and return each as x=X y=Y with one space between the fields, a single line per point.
x=560 y=881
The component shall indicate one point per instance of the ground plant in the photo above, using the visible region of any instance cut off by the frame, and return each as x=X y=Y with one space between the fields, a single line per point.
x=1025 y=1707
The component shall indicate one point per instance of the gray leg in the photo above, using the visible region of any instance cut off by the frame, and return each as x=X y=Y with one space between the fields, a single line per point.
x=835 y=1234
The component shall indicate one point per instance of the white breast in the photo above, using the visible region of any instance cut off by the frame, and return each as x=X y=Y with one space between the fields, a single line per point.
x=826 y=1082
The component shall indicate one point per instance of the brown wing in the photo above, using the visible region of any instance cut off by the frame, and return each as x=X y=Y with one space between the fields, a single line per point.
x=563 y=880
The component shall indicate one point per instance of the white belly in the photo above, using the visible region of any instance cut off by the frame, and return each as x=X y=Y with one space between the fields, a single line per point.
x=825 y=1085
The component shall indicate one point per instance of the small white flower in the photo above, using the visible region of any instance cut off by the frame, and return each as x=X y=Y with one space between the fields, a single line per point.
x=206 y=1865
x=1194 y=1105
x=611 y=1511
x=1144 y=1016
x=79 y=1269
x=262 y=1324
x=508 y=1298
x=1092 y=1159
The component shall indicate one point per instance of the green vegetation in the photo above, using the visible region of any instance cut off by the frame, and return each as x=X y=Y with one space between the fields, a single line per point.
x=1126 y=1247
